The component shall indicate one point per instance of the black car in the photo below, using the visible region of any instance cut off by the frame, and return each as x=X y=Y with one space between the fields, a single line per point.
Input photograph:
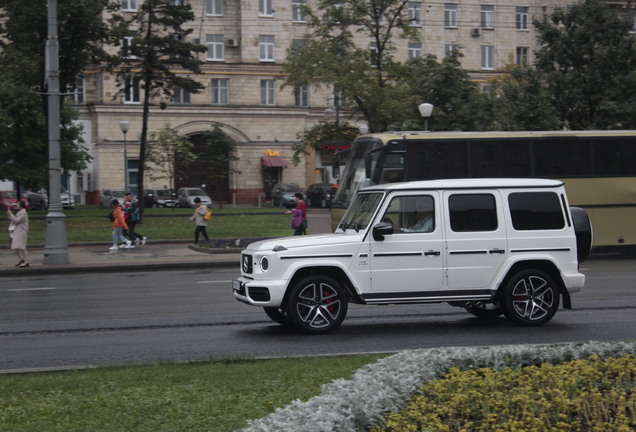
x=320 y=195
x=37 y=200
x=159 y=198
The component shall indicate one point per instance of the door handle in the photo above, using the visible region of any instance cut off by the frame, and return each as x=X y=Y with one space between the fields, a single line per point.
x=431 y=252
x=496 y=251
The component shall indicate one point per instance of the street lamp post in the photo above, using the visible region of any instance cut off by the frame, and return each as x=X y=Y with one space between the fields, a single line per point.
x=426 y=109
x=124 y=125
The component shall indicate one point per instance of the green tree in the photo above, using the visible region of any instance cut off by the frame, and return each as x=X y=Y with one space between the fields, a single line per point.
x=521 y=101
x=159 y=48
x=23 y=34
x=458 y=102
x=588 y=59
x=216 y=153
x=169 y=152
x=366 y=78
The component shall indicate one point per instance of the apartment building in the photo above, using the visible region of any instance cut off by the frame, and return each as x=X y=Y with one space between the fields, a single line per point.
x=246 y=41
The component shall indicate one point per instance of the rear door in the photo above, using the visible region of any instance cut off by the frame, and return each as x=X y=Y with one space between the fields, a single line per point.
x=476 y=241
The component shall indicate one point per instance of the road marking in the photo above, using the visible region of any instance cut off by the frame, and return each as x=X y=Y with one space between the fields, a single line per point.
x=33 y=289
x=221 y=281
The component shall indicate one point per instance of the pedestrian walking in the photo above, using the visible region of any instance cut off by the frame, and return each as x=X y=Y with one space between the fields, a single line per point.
x=119 y=223
x=19 y=233
x=299 y=215
x=131 y=210
x=198 y=218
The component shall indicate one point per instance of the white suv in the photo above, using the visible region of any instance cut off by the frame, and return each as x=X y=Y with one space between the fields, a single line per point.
x=491 y=246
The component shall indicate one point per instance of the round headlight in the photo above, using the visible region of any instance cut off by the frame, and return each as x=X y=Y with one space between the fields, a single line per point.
x=264 y=264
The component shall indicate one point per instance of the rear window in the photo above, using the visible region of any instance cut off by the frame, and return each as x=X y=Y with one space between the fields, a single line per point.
x=473 y=212
x=536 y=211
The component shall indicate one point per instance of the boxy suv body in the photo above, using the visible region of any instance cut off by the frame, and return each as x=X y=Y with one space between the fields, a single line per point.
x=491 y=246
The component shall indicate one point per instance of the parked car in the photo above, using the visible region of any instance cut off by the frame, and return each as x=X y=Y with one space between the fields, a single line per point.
x=159 y=198
x=67 y=200
x=186 y=196
x=490 y=246
x=283 y=194
x=110 y=194
x=9 y=200
x=320 y=195
x=37 y=200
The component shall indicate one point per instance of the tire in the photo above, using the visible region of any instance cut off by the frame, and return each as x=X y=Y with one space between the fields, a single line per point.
x=317 y=305
x=583 y=231
x=484 y=310
x=277 y=315
x=531 y=298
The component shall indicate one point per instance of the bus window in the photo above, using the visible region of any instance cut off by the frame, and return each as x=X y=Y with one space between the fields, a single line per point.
x=426 y=160
x=614 y=158
x=562 y=157
x=499 y=158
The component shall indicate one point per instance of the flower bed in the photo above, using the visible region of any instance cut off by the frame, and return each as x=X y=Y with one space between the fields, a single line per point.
x=359 y=403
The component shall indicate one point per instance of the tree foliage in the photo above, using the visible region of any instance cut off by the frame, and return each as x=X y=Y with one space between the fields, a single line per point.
x=366 y=78
x=169 y=152
x=588 y=59
x=158 y=49
x=23 y=36
x=323 y=133
x=216 y=153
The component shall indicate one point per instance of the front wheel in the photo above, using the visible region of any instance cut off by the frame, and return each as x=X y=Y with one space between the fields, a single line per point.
x=317 y=305
x=277 y=315
x=531 y=298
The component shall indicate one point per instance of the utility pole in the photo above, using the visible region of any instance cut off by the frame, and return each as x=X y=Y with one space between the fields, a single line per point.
x=55 y=248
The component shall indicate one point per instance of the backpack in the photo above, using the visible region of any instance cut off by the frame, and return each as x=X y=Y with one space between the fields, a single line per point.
x=208 y=215
x=111 y=217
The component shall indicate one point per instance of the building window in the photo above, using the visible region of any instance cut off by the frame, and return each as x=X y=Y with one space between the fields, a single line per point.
x=214 y=7
x=220 y=91
x=266 y=48
x=78 y=95
x=301 y=96
x=214 y=44
x=126 y=47
x=450 y=15
x=449 y=49
x=522 y=56
x=415 y=13
x=522 y=17
x=415 y=50
x=180 y=95
x=488 y=57
x=298 y=14
x=129 y=5
x=266 y=7
x=487 y=16
x=268 y=88
x=132 y=90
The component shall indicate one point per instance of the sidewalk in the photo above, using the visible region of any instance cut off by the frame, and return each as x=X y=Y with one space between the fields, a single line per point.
x=95 y=257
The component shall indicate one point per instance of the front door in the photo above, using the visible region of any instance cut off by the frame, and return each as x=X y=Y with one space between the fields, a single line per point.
x=410 y=262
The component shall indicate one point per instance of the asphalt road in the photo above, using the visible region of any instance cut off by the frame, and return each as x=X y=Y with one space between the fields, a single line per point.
x=80 y=320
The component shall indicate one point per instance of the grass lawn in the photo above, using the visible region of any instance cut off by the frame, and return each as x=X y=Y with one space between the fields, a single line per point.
x=88 y=223
x=210 y=397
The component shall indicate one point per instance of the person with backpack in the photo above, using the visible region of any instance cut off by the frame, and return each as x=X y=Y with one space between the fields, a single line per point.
x=117 y=217
x=200 y=218
x=131 y=209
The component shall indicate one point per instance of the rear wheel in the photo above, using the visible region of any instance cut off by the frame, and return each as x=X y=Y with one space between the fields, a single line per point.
x=317 y=304
x=531 y=298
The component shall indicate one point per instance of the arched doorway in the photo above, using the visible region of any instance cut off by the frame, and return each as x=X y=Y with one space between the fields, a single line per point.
x=210 y=172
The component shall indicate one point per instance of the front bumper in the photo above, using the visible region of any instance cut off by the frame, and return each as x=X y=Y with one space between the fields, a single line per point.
x=258 y=293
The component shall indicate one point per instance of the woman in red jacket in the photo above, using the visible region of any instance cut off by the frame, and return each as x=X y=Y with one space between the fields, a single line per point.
x=118 y=223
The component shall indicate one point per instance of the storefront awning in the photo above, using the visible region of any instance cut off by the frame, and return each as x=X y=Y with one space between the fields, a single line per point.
x=273 y=161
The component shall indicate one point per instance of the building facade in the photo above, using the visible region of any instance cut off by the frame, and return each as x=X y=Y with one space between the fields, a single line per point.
x=246 y=42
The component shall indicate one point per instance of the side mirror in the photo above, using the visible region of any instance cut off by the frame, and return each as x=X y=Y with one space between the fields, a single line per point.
x=382 y=229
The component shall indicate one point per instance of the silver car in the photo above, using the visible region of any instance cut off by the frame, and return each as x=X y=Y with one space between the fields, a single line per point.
x=186 y=196
x=110 y=194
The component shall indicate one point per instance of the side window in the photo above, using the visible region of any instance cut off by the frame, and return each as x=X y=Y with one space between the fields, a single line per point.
x=411 y=214
x=472 y=212
x=536 y=211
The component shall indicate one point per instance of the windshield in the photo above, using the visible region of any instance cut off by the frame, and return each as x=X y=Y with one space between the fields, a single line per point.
x=292 y=187
x=9 y=195
x=196 y=192
x=116 y=194
x=164 y=193
x=354 y=176
x=361 y=211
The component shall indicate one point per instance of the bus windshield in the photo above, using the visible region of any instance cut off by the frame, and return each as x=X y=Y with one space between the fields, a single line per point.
x=361 y=211
x=354 y=174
